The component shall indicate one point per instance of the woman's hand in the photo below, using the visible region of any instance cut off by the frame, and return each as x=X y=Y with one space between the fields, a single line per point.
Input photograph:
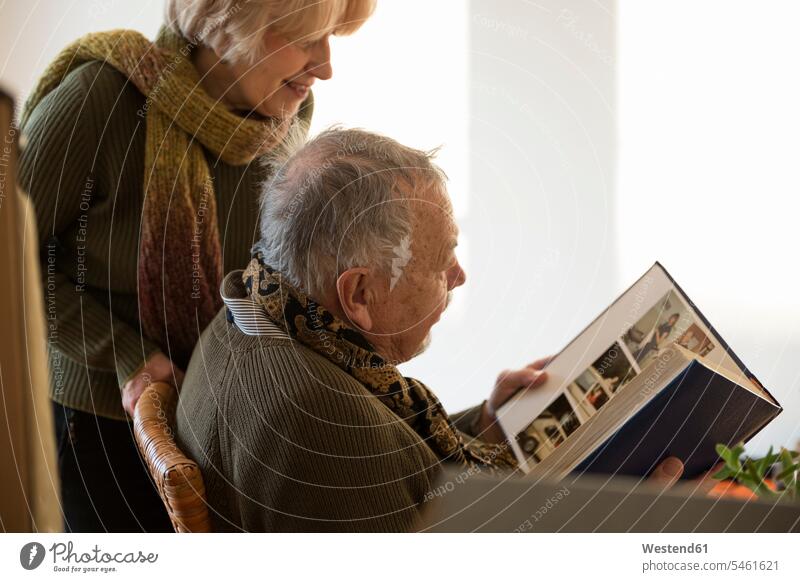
x=158 y=368
x=509 y=382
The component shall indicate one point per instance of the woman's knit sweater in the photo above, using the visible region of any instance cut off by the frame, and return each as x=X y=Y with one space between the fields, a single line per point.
x=83 y=167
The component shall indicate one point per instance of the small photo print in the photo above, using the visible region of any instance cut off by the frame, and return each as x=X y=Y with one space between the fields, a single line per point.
x=550 y=429
x=694 y=339
x=667 y=322
x=614 y=367
x=600 y=381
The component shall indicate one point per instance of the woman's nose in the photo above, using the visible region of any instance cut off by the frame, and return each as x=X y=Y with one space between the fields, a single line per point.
x=320 y=64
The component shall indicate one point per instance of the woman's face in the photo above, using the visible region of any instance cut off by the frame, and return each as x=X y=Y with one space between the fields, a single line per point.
x=278 y=83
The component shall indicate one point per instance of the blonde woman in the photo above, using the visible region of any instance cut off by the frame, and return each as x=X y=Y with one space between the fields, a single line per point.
x=143 y=165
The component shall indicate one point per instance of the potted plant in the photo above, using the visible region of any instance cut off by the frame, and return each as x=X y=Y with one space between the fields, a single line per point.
x=775 y=475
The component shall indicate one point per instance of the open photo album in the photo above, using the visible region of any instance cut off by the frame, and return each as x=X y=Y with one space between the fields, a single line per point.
x=647 y=379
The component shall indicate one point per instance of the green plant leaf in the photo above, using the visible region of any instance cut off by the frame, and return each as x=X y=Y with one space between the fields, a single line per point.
x=788 y=474
x=751 y=472
x=724 y=452
x=789 y=470
x=731 y=456
x=725 y=473
x=752 y=469
x=764 y=464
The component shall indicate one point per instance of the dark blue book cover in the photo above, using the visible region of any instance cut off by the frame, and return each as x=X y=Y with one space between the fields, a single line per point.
x=697 y=410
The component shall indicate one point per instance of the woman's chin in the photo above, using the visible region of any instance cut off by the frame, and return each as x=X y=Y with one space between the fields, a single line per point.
x=281 y=110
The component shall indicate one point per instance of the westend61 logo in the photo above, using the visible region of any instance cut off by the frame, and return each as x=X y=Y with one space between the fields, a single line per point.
x=66 y=559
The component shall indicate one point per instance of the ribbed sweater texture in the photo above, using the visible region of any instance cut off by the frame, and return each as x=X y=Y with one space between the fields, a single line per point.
x=287 y=441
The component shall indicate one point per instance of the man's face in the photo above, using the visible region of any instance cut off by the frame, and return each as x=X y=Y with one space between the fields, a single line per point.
x=425 y=271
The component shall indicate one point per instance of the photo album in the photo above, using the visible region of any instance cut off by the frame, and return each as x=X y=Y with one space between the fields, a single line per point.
x=649 y=378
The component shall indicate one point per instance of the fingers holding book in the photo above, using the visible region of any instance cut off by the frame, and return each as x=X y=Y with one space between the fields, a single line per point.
x=667 y=473
x=509 y=383
x=541 y=363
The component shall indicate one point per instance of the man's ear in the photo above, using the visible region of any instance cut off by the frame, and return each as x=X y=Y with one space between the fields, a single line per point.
x=357 y=296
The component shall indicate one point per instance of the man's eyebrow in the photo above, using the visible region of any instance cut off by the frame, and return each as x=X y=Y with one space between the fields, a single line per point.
x=445 y=251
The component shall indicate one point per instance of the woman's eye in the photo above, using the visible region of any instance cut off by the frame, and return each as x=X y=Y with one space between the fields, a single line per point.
x=309 y=44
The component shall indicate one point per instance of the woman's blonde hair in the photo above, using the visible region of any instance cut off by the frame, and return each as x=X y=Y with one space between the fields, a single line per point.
x=235 y=29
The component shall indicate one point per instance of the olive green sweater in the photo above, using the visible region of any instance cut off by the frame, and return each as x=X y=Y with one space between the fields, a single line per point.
x=287 y=441
x=83 y=167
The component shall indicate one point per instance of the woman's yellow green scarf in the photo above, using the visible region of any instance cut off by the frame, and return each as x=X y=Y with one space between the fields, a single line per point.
x=180 y=260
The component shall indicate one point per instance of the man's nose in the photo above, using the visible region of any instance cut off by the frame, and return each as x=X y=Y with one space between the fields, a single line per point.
x=459 y=276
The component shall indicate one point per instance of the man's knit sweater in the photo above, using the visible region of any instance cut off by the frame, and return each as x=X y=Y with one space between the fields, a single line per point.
x=287 y=441
x=84 y=170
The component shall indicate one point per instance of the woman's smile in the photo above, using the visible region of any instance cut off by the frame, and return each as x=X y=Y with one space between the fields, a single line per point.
x=300 y=90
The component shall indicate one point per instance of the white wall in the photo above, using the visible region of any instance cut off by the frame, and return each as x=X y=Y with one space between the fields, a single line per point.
x=540 y=254
x=709 y=105
x=406 y=77
x=32 y=32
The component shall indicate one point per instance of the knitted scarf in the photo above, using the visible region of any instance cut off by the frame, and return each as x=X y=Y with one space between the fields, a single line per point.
x=315 y=327
x=180 y=260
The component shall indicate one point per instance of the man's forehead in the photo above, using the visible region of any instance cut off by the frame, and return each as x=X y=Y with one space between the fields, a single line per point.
x=435 y=215
x=432 y=199
x=435 y=229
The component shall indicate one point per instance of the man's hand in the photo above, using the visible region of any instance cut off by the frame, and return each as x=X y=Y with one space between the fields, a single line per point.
x=670 y=470
x=509 y=382
x=158 y=368
x=667 y=473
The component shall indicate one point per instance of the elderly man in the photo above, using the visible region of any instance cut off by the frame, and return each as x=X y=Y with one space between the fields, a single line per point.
x=292 y=404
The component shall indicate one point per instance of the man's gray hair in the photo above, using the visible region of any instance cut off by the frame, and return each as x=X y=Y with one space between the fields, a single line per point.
x=338 y=201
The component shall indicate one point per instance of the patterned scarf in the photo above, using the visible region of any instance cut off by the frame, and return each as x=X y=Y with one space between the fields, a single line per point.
x=180 y=260
x=315 y=327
